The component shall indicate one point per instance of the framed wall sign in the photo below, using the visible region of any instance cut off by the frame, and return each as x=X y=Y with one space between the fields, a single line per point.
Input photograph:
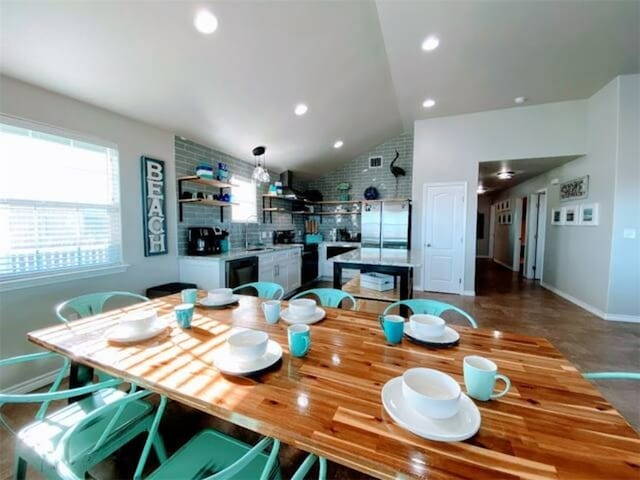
x=154 y=206
x=556 y=217
x=570 y=215
x=589 y=214
x=575 y=189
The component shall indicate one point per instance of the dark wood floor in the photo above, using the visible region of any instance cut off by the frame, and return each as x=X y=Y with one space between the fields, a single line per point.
x=503 y=301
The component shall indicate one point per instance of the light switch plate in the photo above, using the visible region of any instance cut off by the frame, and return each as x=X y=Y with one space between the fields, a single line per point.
x=629 y=233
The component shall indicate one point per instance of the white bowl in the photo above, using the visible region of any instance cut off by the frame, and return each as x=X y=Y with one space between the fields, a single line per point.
x=427 y=325
x=139 y=320
x=431 y=393
x=220 y=295
x=302 y=307
x=248 y=345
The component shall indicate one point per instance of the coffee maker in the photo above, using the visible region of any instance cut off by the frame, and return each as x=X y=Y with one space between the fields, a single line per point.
x=204 y=240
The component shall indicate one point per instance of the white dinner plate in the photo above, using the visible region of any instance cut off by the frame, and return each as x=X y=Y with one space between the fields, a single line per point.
x=124 y=334
x=226 y=363
x=207 y=302
x=449 y=336
x=292 y=319
x=461 y=426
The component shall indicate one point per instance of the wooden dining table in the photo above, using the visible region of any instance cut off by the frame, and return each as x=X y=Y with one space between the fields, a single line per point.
x=551 y=424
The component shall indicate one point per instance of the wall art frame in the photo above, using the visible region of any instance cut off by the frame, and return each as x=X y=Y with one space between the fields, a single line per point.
x=154 y=207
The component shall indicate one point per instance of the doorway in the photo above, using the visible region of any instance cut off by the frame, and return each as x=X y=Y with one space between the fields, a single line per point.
x=537 y=213
x=520 y=235
x=444 y=237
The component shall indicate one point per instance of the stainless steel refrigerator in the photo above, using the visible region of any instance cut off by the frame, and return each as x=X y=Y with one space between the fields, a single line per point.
x=386 y=224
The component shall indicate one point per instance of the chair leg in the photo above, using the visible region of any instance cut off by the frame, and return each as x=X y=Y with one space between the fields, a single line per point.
x=158 y=447
x=19 y=468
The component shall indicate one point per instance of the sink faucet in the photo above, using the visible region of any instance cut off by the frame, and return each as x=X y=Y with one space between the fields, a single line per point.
x=246 y=230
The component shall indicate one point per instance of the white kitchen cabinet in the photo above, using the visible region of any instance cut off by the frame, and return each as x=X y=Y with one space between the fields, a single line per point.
x=206 y=273
x=283 y=268
x=325 y=265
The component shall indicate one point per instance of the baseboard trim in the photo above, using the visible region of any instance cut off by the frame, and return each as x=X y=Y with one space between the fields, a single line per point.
x=589 y=308
x=32 y=384
x=469 y=293
x=616 y=317
x=510 y=267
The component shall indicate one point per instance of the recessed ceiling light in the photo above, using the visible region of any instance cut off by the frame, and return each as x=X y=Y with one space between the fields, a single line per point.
x=506 y=174
x=430 y=43
x=428 y=103
x=205 y=22
x=338 y=144
x=520 y=100
x=301 y=109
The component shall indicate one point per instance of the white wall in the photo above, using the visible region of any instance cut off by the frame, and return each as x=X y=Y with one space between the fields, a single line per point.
x=624 y=286
x=597 y=265
x=449 y=149
x=27 y=309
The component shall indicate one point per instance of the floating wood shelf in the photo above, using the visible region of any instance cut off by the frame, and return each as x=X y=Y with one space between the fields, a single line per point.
x=274 y=209
x=206 y=181
x=206 y=201
x=326 y=213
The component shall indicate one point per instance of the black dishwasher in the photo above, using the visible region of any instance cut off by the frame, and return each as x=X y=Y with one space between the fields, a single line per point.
x=241 y=271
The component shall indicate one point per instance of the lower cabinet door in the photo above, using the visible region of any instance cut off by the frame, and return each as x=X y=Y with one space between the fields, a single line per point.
x=266 y=274
x=294 y=274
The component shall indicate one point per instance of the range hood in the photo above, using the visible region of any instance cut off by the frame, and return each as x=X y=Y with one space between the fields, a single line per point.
x=286 y=178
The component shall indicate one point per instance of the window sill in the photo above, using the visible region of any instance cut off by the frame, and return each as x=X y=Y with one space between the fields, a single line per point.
x=49 y=279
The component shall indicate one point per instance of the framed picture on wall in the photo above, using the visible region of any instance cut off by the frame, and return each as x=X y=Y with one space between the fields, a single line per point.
x=508 y=219
x=507 y=204
x=588 y=214
x=570 y=215
x=556 y=217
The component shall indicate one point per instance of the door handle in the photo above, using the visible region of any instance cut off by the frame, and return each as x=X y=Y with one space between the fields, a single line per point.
x=428 y=244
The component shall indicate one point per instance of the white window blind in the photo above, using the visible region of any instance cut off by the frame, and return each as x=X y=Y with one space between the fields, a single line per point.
x=59 y=203
x=245 y=195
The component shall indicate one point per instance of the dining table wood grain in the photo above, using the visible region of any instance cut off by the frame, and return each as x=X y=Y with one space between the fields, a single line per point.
x=552 y=424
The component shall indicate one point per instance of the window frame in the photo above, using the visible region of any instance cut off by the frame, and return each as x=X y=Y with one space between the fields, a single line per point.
x=47 y=278
x=233 y=180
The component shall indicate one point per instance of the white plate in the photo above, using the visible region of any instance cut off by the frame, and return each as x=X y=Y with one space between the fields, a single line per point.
x=226 y=363
x=461 y=426
x=205 y=302
x=449 y=335
x=316 y=317
x=125 y=335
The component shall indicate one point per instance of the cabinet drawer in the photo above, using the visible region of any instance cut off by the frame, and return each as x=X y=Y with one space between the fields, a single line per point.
x=294 y=253
x=266 y=259
x=280 y=256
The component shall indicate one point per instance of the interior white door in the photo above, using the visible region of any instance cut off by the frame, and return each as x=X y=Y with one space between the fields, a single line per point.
x=444 y=237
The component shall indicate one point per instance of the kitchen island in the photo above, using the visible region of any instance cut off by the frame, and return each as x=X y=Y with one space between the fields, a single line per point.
x=398 y=263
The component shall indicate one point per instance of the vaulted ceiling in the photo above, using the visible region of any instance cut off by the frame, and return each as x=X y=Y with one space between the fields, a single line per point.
x=357 y=65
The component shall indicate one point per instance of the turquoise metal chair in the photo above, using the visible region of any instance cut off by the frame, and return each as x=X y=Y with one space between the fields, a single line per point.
x=430 y=307
x=93 y=303
x=37 y=444
x=329 y=297
x=306 y=466
x=269 y=290
x=208 y=455
x=611 y=376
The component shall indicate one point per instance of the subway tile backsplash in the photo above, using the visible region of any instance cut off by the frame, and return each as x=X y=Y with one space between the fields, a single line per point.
x=189 y=154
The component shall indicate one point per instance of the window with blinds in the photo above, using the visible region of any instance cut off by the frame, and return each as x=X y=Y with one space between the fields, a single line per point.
x=59 y=203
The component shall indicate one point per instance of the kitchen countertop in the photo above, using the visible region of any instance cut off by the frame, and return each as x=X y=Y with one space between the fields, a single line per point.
x=341 y=244
x=380 y=256
x=236 y=253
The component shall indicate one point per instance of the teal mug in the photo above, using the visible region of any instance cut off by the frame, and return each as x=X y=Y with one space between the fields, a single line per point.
x=393 y=328
x=480 y=375
x=299 y=339
x=184 y=314
x=189 y=295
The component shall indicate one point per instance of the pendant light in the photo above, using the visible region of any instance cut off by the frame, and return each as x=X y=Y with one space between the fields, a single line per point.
x=260 y=173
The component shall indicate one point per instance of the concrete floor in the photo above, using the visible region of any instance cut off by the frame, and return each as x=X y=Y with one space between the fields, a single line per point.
x=503 y=301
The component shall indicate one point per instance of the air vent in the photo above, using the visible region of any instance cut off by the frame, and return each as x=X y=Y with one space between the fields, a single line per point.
x=375 y=162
